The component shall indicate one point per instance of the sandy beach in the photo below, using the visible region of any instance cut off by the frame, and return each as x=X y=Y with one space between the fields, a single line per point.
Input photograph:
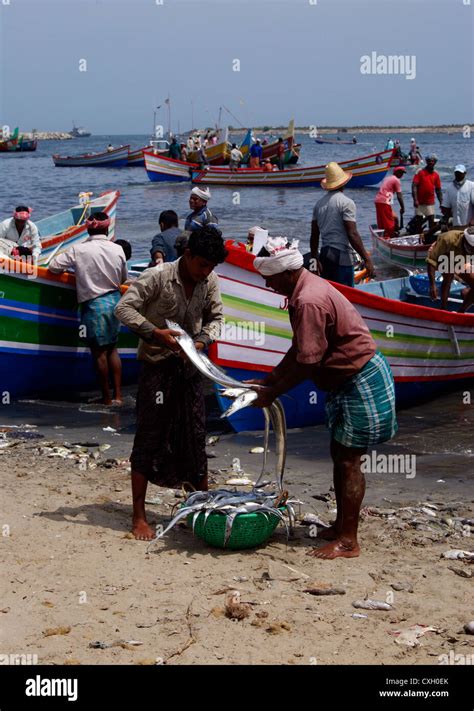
x=80 y=590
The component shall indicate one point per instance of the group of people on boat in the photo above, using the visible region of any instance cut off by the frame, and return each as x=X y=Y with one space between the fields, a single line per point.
x=413 y=157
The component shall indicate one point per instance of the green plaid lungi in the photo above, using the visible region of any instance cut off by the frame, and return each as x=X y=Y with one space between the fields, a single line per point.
x=361 y=412
x=97 y=315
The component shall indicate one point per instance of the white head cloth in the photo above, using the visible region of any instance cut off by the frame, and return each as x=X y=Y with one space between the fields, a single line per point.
x=203 y=193
x=469 y=235
x=281 y=257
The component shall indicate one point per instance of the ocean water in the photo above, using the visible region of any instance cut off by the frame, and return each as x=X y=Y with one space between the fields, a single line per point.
x=33 y=179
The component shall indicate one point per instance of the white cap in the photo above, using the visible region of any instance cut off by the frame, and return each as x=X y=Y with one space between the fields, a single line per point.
x=469 y=236
x=460 y=168
x=203 y=193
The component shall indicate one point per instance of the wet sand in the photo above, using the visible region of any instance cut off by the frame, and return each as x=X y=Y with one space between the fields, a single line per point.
x=74 y=570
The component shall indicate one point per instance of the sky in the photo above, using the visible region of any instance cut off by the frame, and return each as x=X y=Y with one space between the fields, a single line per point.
x=107 y=64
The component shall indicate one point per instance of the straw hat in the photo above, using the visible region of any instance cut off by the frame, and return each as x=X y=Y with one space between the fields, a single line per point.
x=335 y=177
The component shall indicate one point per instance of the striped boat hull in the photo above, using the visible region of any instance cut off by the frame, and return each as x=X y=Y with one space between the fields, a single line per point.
x=411 y=256
x=429 y=351
x=368 y=170
x=40 y=348
x=163 y=169
x=109 y=159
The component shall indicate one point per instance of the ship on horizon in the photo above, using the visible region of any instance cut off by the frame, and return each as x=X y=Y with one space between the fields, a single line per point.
x=78 y=132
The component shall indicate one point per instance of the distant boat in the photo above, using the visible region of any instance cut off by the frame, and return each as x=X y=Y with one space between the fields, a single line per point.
x=336 y=141
x=163 y=169
x=116 y=158
x=9 y=145
x=79 y=132
x=216 y=154
x=368 y=170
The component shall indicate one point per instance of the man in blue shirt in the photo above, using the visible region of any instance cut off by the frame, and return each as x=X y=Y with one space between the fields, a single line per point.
x=163 y=247
x=200 y=216
x=256 y=154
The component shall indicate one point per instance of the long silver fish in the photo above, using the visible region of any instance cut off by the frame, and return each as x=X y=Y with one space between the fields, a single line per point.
x=243 y=400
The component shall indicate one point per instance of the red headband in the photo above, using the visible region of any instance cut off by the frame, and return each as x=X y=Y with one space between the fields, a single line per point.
x=22 y=214
x=94 y=223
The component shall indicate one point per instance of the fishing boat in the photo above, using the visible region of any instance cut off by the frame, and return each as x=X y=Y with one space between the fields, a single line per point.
x=245 y=146
x=217 y=154
x=60 y=231
x=292 y=149
x=404 y=251
x=26 y=145
x=335 y=141
x=368 y=170
x=40 y=349
x=9 y=145
x=115 y=158
x=159 y=168
x=429 y=350
x=136 y=158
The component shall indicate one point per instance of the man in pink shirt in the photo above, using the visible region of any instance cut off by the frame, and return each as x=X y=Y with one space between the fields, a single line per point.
x=333 y=347
x=386 y=218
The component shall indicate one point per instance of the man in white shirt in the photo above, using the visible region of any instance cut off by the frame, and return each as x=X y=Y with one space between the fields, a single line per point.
x=458 y=199
x=100 y=269
x=236 y=158
x=20 y=234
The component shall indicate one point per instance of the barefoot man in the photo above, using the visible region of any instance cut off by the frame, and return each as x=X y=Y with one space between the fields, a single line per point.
x=333 y=347
x=170 y=441
x=100 y=268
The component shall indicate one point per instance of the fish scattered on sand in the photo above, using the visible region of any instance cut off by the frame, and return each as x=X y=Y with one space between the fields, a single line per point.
x=372 y=605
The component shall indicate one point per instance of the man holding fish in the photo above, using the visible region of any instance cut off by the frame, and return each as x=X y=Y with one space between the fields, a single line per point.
x=170 y=440
x=333 y=347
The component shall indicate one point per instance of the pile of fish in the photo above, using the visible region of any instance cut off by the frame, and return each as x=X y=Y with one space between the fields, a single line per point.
x=233 y=503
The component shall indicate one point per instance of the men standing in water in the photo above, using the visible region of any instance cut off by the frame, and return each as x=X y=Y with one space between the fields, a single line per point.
x=169 y=447
x=333 y=347
x=334 y=220
x=100 y=268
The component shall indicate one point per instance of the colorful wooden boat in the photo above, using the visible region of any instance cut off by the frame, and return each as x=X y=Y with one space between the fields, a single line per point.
x=217 y=154
x=27 y=145
x=245 y=146
x=429 y=350
x=116 y=158
x=368 y=170
x=58 y=232
x=292 y=152
x=9 y=145
x=136 y=158
x=405 y=251
x=162 y=169
x=40 y=351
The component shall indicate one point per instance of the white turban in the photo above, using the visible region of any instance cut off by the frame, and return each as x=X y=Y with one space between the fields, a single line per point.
x=281 y=257
x=469 y=235
x=204 y=194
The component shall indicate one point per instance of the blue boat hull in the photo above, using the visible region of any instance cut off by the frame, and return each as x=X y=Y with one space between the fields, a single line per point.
x=163 y=178
x=304 y=405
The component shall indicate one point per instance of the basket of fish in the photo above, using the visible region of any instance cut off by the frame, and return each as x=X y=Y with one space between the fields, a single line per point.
x=237 y=529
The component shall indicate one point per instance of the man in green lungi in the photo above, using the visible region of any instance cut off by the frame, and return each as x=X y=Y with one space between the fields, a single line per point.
x=170 y=441
x=333 y=347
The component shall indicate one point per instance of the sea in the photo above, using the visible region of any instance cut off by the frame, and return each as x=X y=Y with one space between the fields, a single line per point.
x=32 y=179
x=440 y=431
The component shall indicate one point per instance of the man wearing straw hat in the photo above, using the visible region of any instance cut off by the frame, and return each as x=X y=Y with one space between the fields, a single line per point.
x=333 y=347
x=201 y=216
x=334 y=222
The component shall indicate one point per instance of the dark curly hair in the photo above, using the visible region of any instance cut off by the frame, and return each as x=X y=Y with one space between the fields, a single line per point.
x=207 y=242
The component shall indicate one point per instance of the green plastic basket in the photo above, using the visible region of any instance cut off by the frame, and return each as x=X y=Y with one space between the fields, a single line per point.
x=248 y=531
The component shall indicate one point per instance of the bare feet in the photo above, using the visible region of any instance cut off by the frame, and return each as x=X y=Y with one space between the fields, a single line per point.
x=340 y=548
x=142 y=531
x=329 y=534
x=118 y=402
x=100 y=401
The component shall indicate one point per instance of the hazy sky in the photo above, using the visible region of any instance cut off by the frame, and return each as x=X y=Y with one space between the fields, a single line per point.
x=298 y=58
